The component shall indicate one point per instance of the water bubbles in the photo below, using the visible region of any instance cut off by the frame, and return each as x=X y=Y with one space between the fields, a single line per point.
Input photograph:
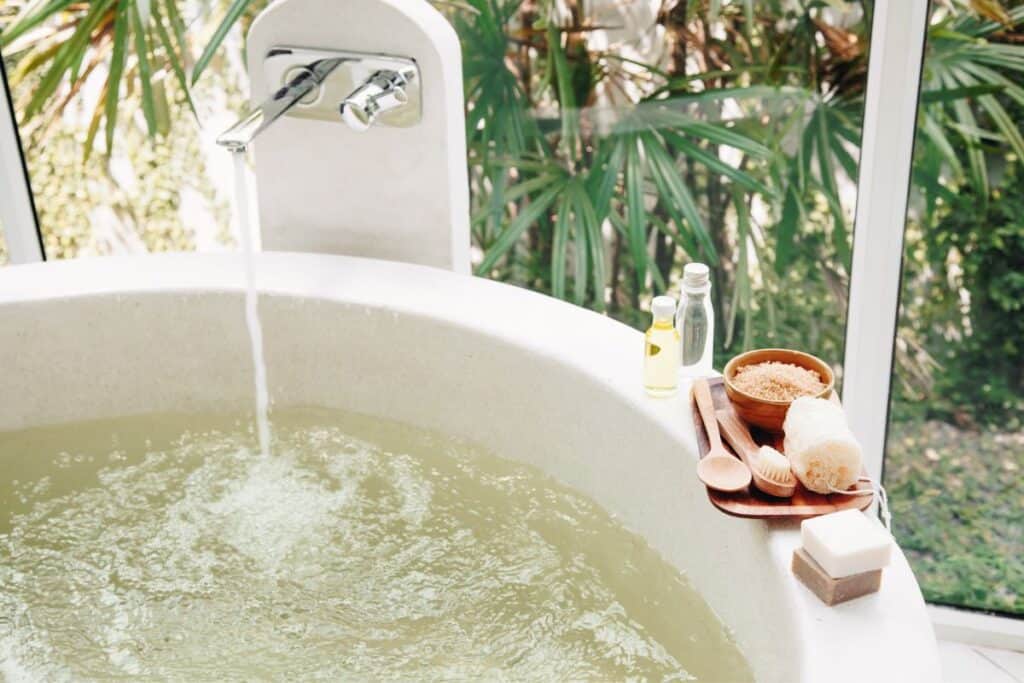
x=369 y=551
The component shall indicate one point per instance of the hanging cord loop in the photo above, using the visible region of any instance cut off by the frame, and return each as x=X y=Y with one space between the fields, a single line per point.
x=881 y=496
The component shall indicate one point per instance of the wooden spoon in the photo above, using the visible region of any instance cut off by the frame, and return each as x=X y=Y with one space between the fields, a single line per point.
x=738 y=436
x=718 y=470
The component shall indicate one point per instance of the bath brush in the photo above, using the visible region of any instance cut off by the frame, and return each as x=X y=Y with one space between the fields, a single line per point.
x=769 y=469
x=774 y=467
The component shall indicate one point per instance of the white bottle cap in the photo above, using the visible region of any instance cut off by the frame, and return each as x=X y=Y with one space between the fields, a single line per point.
x=696 y=277
x=663 y=307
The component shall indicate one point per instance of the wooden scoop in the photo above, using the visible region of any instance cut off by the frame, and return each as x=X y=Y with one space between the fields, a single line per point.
x=718 y=469
x=738 y=436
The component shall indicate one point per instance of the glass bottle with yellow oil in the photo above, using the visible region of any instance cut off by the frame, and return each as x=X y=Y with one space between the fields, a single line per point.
x=662 y=350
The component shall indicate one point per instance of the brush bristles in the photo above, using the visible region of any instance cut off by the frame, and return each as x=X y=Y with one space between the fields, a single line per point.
x=774 y=466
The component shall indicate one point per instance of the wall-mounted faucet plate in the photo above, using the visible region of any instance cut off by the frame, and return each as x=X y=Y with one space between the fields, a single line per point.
x=282 y=64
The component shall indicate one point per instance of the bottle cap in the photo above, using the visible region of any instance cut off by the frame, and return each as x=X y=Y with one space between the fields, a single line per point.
x=663 y=307
x=696 y=277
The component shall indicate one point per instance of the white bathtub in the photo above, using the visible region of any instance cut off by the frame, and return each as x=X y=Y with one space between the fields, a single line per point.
x=532 y=378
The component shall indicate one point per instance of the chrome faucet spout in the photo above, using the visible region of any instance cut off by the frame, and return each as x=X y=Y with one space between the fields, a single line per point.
x=305 y=82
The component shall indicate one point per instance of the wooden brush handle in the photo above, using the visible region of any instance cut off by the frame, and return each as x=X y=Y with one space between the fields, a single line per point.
x=706 y=406
x=738 y=436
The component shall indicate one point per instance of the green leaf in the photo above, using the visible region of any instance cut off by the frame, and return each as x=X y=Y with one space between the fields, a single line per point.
x=586 y=215
x=937 y=135
x=566 y=97
x=843 y=156
x=30 y=20
x=805 y=154
x=497 y=202
x=117 y=63
x=695 y=153
x=145 y=73
x=792 y=213
x=975 y=156
x=528 y=187
x=1004 y=123
x=172 y=57
x=558 y=247
x=713 y=132
x=748 y=15
x=32 y=61
x=636 y=212
x=579 y=284
x=178 y=29
x=741 y=294
x=604 y=177
x=94 y=121
x=766 y=94
x=530 y=213
x=831 y=190
x=840 y=236
x=669 y=179
x=949 y=94
x=679 y=237
x=992 y=77
x=65 y=58
x=235 y=10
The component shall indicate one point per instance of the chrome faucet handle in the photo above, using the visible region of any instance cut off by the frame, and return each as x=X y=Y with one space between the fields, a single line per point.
x=382 y=92
x=311 y=83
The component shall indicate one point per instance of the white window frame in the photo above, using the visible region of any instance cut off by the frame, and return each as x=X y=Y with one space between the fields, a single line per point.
x=977 y=628
x=898 y=33
x=17 y=212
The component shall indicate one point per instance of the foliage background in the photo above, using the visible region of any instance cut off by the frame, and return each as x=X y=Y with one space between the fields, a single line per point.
x=611 y=143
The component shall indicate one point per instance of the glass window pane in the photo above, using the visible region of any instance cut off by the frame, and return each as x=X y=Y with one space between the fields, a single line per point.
x=688 y=135
x=162 y=185
x=955 y=452
x=725 y=133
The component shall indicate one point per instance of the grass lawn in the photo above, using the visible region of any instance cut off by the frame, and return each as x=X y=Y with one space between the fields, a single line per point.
x=957 y=500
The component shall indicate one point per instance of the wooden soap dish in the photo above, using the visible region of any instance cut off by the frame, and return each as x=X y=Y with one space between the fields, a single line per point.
x=753 y=503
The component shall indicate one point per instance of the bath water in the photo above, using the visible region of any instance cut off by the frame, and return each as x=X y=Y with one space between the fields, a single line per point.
x=165 y=548
x=246 y=229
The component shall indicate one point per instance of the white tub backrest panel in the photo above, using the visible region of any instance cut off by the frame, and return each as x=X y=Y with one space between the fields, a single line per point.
x=392 y=193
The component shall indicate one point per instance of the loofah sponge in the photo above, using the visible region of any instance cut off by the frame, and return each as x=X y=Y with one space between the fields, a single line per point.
x=822 y=451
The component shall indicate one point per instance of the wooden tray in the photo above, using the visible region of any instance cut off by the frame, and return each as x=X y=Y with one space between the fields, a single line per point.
x=753 y=503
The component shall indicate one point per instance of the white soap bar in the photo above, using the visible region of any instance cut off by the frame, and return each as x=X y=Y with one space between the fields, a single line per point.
x=846 y=543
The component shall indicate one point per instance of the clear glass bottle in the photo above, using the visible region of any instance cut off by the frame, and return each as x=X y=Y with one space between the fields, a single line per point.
x=696 y=321
x=661 y=350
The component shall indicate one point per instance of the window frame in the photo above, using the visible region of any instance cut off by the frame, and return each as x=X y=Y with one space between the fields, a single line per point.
x=18 y=219
x=898 y=40
x=898 y=33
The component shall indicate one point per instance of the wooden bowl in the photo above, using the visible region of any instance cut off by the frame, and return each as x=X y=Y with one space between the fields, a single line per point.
x=762 y=412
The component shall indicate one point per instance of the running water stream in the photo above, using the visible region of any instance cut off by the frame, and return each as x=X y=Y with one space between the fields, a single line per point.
x=252 y=312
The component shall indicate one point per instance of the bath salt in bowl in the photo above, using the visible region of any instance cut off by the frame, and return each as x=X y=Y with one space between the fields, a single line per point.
x=762 y=383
